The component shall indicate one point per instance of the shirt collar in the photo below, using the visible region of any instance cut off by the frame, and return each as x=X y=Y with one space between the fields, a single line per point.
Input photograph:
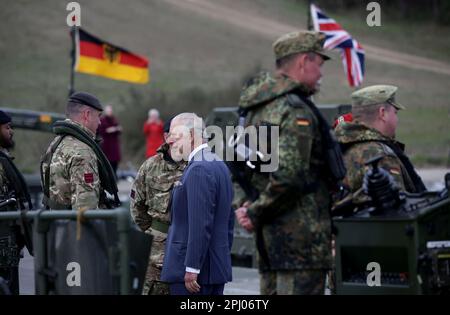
x=196 y=150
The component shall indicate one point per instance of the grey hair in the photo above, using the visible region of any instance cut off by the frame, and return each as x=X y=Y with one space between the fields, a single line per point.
x=192 y=122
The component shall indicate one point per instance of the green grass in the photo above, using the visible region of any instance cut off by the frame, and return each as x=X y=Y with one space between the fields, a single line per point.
x=191 y=53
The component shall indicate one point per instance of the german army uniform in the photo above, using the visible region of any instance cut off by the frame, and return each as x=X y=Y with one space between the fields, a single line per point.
x=291 y=215
x=360 y=143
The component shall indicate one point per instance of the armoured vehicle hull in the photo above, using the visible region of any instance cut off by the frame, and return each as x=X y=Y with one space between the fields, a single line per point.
x=409 y=247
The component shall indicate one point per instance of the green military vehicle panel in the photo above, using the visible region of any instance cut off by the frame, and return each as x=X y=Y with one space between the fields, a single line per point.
x=32 y=120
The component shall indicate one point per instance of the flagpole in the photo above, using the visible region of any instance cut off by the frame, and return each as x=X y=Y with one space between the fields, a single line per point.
x=72 y=63
x=310 y=28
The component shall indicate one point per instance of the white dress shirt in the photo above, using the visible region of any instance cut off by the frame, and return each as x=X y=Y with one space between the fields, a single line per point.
x=191 y=156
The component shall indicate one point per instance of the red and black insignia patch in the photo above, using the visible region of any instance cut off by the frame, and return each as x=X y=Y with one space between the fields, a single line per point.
x=88 y=178
x=132 y=194
x=303 y=122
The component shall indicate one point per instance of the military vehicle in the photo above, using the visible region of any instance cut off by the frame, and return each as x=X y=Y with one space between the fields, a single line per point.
x=244 y=251
x=399 y=243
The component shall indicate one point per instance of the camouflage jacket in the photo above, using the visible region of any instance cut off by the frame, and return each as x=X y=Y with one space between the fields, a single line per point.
x=4 y=190
x=74 y=177
x=150 y=193
x=293 y=206
x=361 y=143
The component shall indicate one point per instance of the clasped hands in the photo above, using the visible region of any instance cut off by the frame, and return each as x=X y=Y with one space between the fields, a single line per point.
x=243 y=218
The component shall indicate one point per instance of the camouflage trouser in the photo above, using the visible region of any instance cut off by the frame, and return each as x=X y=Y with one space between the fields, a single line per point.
x=152 y=283
x=154 y=287
x=331 y=283
x=293 y=282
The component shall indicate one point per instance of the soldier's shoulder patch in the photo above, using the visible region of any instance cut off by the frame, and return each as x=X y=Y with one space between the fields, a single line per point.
x=88 y=178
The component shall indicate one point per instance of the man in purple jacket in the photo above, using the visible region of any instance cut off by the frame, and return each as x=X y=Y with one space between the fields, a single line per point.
x=109 y=130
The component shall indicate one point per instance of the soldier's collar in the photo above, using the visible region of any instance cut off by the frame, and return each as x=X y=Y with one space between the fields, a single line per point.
x=296 y=86
x=70 y=121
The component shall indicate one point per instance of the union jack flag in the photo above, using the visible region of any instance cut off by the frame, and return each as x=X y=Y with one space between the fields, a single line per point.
x=352 y=53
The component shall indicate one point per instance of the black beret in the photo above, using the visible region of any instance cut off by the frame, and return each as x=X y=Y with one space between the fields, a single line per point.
x=86 y=99
x=4 y=118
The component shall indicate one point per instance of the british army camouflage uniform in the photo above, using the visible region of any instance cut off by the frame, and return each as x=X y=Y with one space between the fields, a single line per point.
x=150 y=195
x=293 y=206
x=9 y=260
x=361 y=143
x=74 y=178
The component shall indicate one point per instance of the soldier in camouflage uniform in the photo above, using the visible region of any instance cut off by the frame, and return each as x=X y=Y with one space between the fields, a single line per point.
x=70 y=169
x=12 y=186
x=372 y=134
x=293 y=205
x=149 y=206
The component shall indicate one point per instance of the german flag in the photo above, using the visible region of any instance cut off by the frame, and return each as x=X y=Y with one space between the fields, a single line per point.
x=97 y=57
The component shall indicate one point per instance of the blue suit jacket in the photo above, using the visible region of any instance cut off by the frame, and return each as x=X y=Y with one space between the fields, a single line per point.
x=201 y=231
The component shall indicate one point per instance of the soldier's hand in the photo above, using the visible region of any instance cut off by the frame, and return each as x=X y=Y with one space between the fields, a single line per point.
x=247 y=224
x=190 y=282
x=246 y=204
x=243 y=219
x=240 y=213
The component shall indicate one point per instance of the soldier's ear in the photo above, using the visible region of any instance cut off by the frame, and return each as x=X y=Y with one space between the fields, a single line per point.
x=300 y=61
x=382 y=113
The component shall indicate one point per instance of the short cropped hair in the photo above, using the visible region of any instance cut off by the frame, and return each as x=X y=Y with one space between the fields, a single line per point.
x=74 y=109
x=287 y=61
x=367 y=114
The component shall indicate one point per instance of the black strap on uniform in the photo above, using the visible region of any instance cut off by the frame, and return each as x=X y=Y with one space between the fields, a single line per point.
x=106 y=172
x=238 y=169
x=45 y=178
x=417 y=181
x=332 y=150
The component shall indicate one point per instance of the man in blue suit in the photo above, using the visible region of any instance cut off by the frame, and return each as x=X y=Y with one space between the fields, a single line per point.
x=197 y=255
